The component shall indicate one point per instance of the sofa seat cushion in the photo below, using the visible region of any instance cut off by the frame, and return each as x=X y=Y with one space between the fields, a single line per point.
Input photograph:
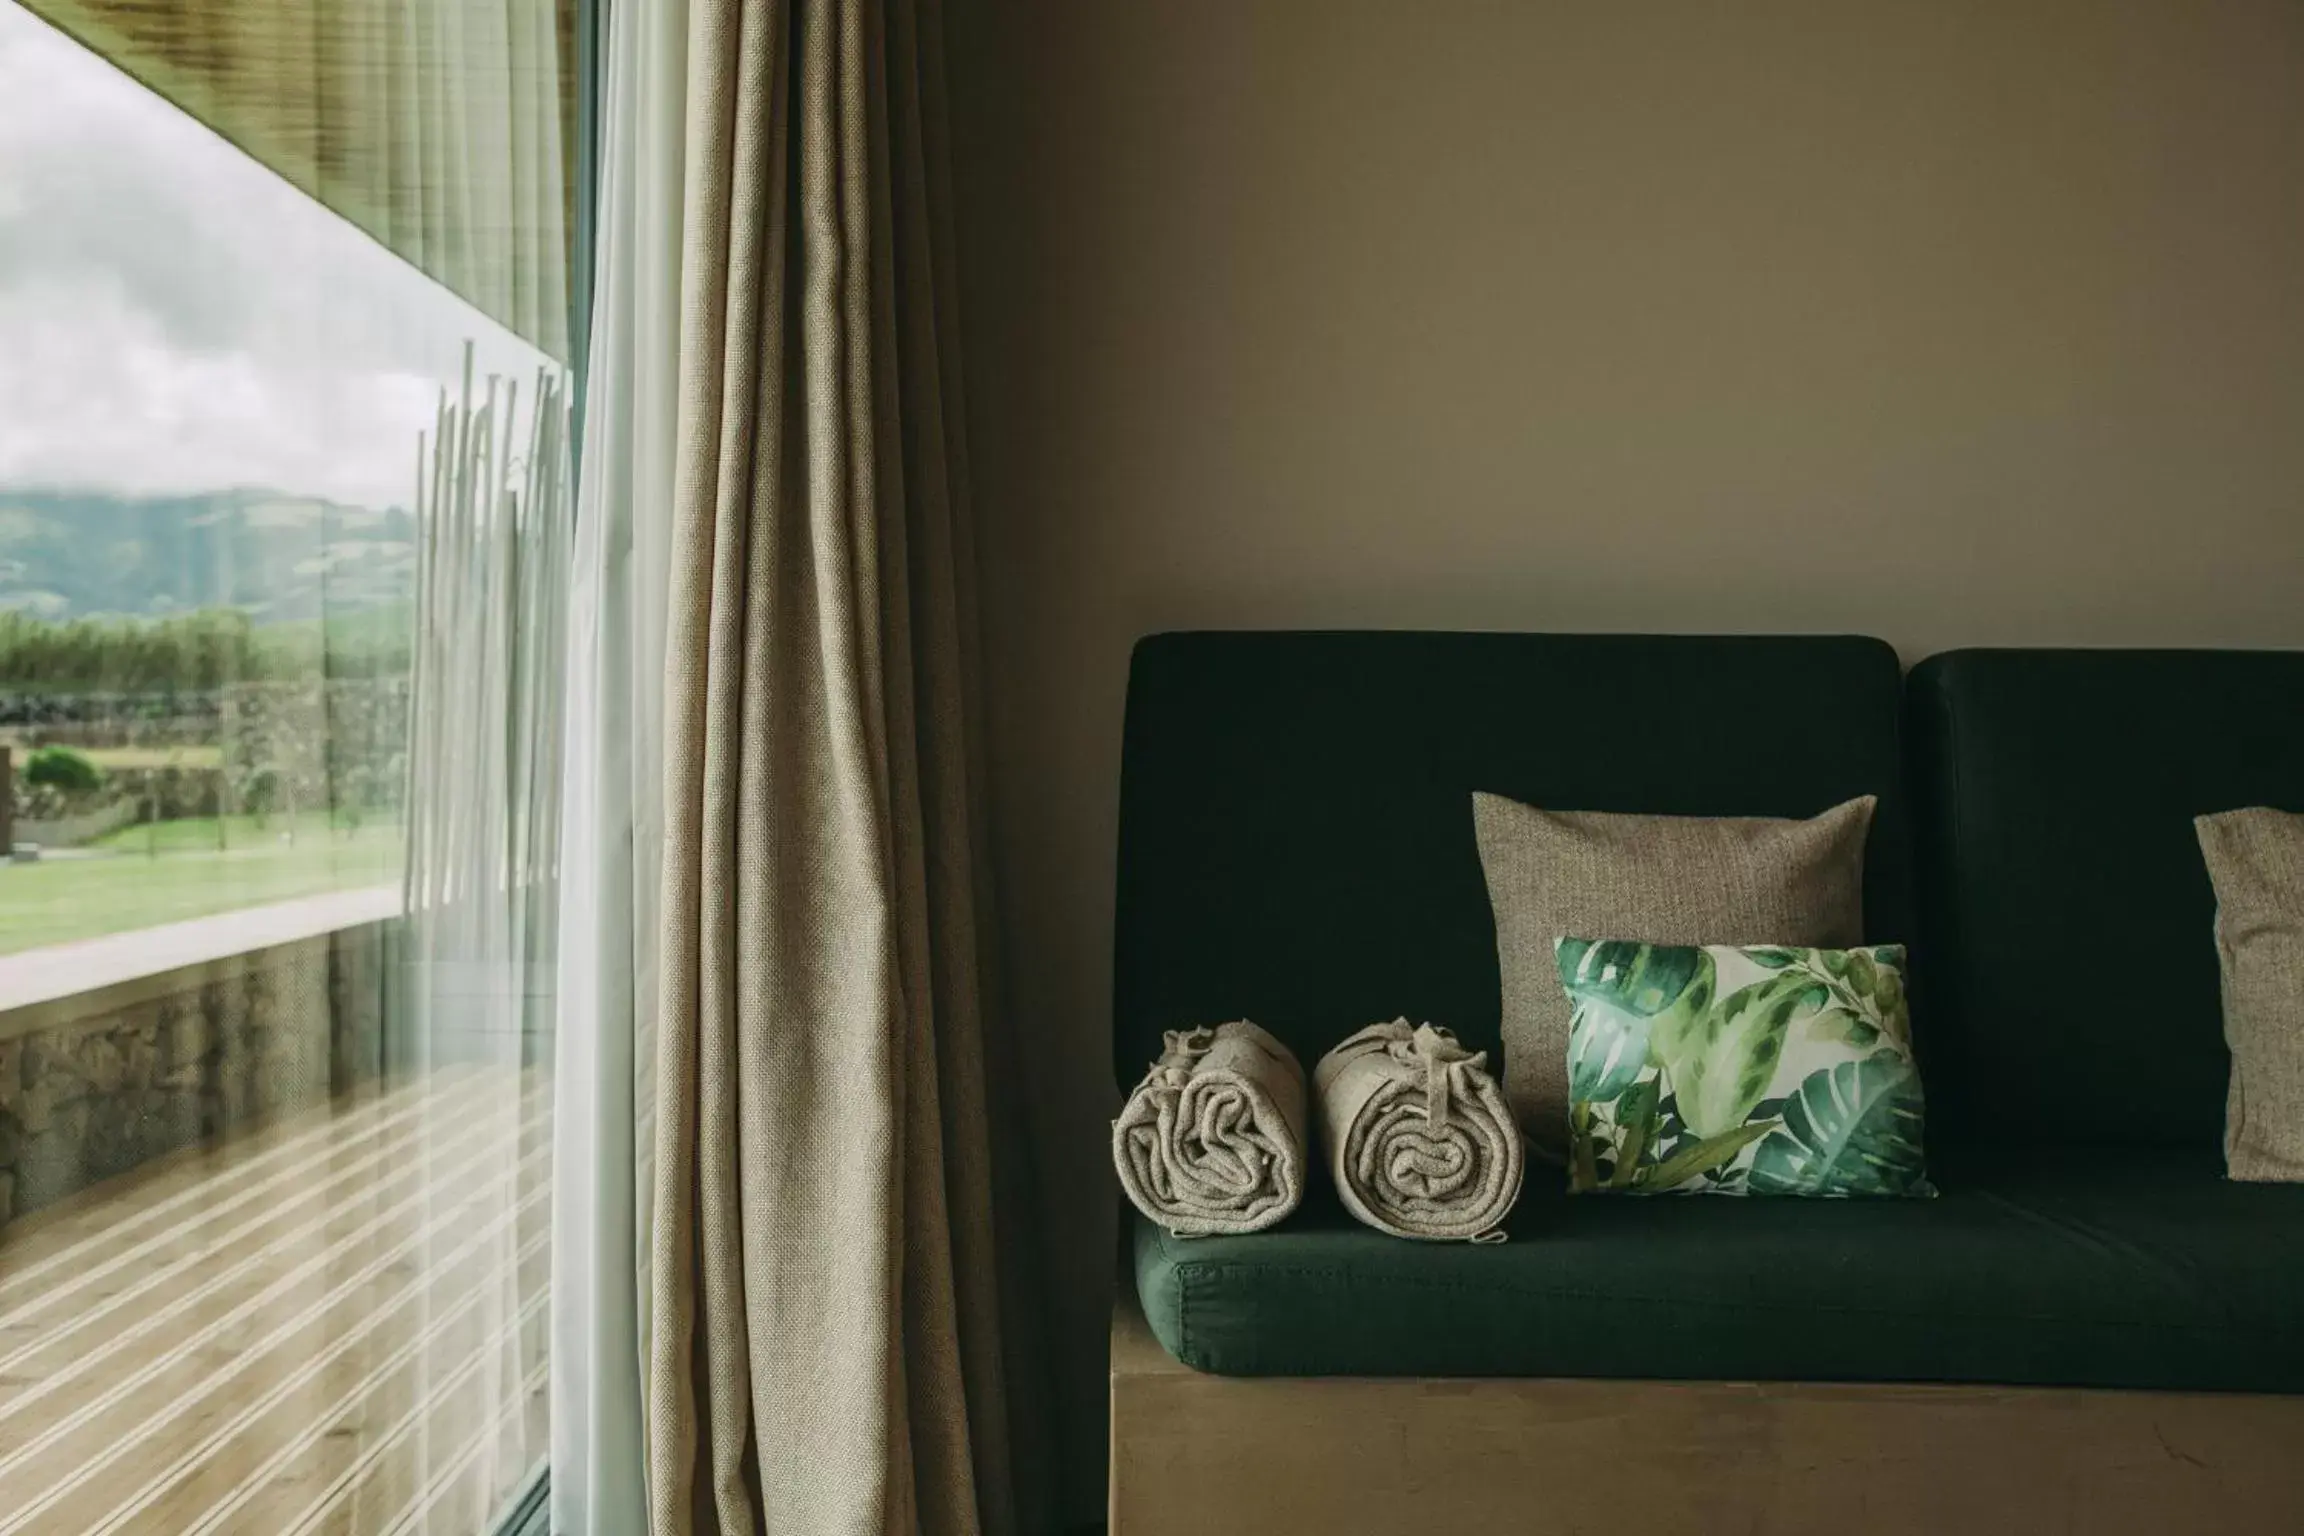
x=2121 y=1269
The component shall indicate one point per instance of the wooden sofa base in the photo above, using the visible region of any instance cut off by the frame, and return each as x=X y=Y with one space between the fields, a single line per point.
x=1196 y=1455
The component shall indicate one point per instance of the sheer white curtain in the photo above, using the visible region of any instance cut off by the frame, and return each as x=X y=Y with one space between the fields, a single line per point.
x=612 y=834
x=474 y=1005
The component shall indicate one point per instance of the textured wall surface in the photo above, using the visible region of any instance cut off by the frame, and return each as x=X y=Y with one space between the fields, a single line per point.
x=1971 y=322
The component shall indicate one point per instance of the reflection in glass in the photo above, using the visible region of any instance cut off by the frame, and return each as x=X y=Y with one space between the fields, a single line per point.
x=284 y=531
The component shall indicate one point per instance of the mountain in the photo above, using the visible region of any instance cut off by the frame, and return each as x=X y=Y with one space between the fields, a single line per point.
x=68 y=554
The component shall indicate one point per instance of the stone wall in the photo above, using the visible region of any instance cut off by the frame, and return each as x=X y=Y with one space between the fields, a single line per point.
x=72 y=831
x=89 y=1098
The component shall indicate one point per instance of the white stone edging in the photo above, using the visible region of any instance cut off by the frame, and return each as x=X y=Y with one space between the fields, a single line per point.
x=41 y=988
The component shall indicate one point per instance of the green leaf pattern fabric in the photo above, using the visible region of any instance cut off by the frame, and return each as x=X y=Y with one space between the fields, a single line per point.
x=1718 y=1070
x=1628 y=994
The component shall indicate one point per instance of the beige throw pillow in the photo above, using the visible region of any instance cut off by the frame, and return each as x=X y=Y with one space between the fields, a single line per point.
x=2256 y=861
x=1655 y=880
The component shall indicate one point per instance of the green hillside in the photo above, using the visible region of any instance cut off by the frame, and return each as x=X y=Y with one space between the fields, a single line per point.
x=277 y=558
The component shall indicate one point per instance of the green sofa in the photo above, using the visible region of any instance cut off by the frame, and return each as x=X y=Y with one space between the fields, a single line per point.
x=1296 y=847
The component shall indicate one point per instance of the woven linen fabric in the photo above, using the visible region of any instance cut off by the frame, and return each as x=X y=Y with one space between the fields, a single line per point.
x=1213 y=1139
x=1418 y=1136
x=2256 y=862
x=1654 y=880
x=825 y=1356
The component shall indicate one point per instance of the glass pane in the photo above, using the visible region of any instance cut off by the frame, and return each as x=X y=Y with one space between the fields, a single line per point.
x=284 y=535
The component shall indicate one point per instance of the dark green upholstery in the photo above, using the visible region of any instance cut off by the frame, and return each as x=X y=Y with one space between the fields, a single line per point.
x=2124 y=1269
x=1296 y=809
x=1296 y=845
x=2055 y=791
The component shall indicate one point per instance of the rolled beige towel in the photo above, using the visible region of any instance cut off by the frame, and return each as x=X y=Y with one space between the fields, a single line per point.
x=1213 y=1139
x=1419 y=1138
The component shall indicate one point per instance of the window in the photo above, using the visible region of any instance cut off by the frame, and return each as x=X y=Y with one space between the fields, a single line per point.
x=285 y=508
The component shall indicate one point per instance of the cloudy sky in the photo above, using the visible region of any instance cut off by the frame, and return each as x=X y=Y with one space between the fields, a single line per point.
x=174 y=317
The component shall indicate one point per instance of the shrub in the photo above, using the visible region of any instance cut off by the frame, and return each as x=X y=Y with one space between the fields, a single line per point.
x=261 y=793
x=204 y=649
x=62 y=769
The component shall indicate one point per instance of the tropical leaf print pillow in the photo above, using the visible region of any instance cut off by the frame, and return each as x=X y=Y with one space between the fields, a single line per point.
x=1726 y=1071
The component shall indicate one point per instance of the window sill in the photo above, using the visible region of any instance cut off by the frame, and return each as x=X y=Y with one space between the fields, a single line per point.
x=41 y=988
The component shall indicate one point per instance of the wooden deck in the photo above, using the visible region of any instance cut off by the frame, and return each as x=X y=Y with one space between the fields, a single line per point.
x=338 y=1324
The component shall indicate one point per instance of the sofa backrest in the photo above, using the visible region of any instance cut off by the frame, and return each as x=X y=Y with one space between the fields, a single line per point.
x=1296 y=808
x=2067 y=969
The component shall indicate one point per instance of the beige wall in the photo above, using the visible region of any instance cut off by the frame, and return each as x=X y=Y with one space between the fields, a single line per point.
x=1954 y=322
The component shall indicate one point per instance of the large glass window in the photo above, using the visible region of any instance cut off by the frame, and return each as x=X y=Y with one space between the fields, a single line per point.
x=285 y=513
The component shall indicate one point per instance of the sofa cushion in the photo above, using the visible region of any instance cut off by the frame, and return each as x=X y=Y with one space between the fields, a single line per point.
x=2256 y=864
x=2065 y=971
x=1651 y=879
x=2117 y=1269
x=1714 y=1070
x=1296 y=837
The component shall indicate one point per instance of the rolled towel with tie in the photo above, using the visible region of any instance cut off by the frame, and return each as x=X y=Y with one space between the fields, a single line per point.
x=1213 y=1139
x=1420 y=1141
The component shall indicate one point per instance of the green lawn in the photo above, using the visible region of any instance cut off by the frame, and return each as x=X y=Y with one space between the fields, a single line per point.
x=206 y=834
x=142 y=876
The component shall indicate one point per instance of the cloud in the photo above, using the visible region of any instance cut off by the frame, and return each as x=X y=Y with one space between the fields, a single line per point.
x=176 y=318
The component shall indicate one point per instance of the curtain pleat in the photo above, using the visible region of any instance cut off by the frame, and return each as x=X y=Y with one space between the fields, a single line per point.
x=604 y=1126
x=825 y=1350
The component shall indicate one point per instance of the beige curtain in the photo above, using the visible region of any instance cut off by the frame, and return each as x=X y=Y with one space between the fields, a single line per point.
x=824 y=1352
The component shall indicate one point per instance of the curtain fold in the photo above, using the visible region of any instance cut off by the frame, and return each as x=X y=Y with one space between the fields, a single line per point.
x=825 y=1350
x=614 y=763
